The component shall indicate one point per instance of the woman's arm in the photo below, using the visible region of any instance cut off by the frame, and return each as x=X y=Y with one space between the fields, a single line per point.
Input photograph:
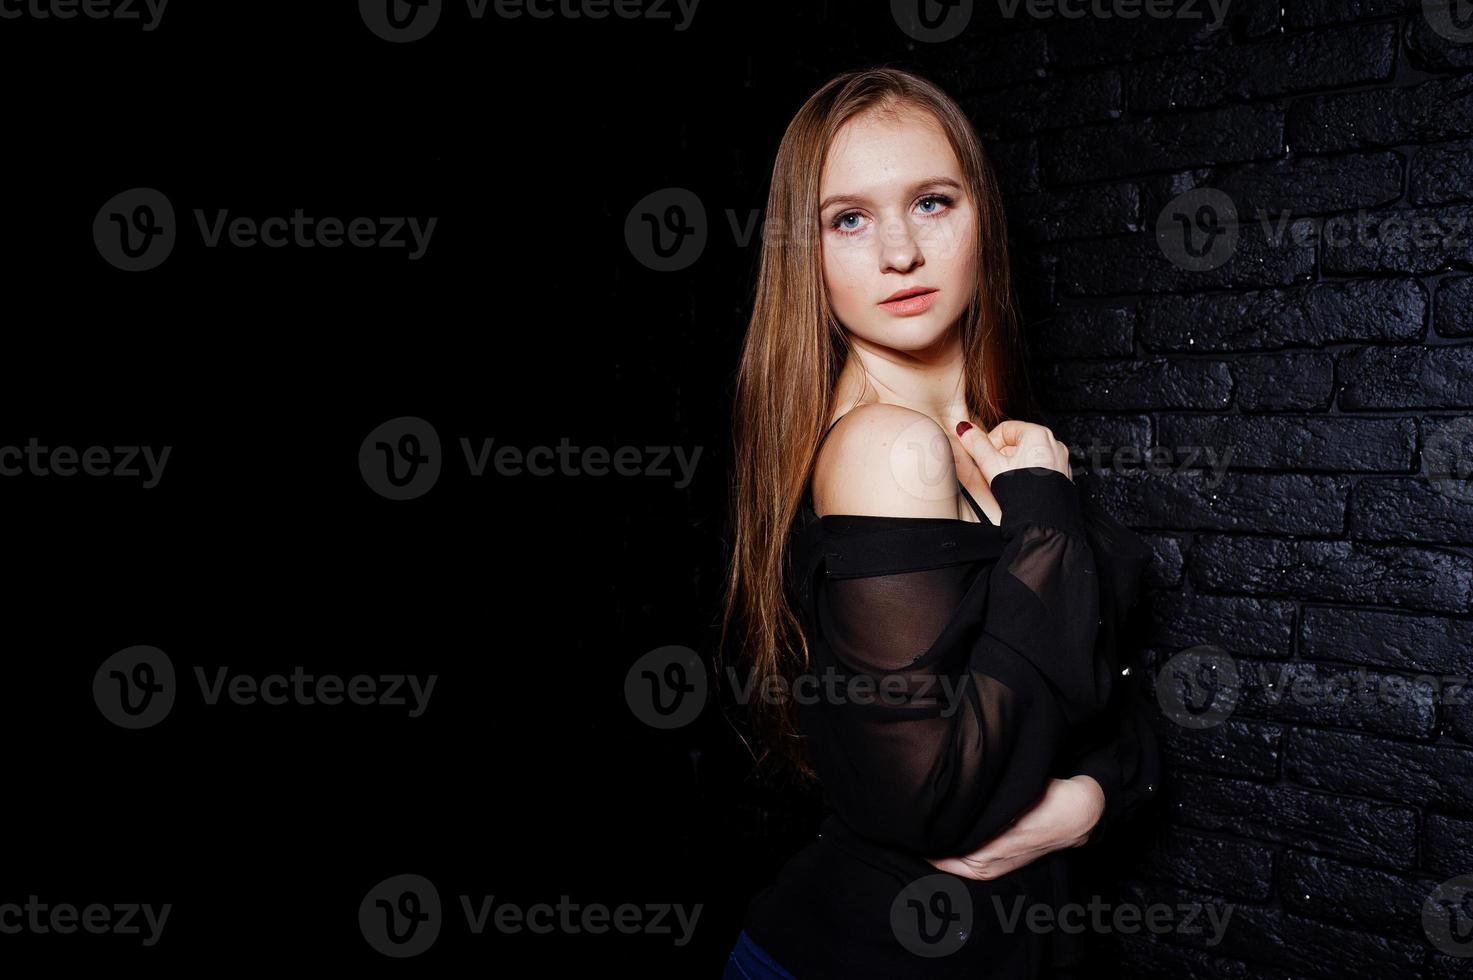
x=1110 y=782
x=991 y=675
x=1123 y=758
x=1116 y=766
x=1065 y=816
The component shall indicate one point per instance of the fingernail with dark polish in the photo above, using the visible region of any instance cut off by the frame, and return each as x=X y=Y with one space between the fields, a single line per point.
x=962 y=427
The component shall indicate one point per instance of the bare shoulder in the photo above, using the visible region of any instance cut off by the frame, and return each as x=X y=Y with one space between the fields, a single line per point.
x=885 y=461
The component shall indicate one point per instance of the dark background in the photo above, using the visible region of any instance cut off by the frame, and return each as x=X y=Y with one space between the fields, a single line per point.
x=1327 y=371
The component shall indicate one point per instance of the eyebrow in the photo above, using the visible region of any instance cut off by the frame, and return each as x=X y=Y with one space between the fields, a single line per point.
x=833 y=199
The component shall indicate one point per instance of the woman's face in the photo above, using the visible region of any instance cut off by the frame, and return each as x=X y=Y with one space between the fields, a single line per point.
x=894 y=215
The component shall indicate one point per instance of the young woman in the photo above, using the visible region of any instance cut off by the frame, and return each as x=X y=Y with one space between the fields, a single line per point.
x=913 y=563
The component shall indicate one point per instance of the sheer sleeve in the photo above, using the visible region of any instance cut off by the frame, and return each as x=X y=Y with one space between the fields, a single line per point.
x=1119 y=750
x=978 y=646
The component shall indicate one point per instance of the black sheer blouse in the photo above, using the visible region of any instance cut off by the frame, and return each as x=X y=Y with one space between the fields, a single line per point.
x=957 y=667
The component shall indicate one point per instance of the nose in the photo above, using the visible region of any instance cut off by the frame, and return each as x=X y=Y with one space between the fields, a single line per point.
x=899 y=249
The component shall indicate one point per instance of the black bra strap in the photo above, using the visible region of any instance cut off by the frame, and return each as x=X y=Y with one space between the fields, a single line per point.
x=980 y=515
x=808 y=491
x=830 y=429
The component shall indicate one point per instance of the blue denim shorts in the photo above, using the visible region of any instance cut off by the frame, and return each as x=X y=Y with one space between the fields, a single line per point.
x=748 y=961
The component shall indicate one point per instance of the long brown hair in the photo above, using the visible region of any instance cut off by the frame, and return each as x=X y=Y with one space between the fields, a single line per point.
x=791 y=359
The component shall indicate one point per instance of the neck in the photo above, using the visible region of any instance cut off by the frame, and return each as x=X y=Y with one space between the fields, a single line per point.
x=927 y=381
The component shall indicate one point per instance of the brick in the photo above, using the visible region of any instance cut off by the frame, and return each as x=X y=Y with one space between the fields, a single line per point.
x=1215 y=137
x=1314 y=949
x=1234 y=748
x=1345 y=762
x=1410 y=509
x=1080 y=212
x=1298 y=442
x=1225 y=867
x=1275 y=937
x=1382 y=834
x=1241 y=625
x=1380 y=901
x=1376 y=638
x=1440 y=173
x=1457 y=707
x=1413 y=240
x=1447 y=454
x=1309 y=185
x=1108 y=433
x=1345 y=697
x=1167 y=563
x=1431 y=51
x=1138 y=264
x=1052 y=104
x=1407 y=377
x=1283 y=382
x=1445 y=844
x=1336 y=571
x=1300 y=14
x=1259 y=71
x=1435 y=110
x=1453 y=313
x=1147 y=384
x=1144 y=959
x=1095 y=41
x=1311 y=316
x=1202 y=500
x=1097 y=331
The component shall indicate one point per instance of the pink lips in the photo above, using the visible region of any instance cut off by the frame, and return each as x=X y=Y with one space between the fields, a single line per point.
x=909 y=302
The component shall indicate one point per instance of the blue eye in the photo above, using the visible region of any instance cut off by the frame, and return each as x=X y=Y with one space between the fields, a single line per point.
x=839 y=226
x=938 y=198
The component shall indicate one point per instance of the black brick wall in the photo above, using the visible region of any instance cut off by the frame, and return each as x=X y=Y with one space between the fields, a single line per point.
x=1335 y=375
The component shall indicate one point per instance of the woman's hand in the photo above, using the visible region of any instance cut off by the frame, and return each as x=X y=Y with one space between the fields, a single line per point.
x=1014 y=444
x=1064 y=816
